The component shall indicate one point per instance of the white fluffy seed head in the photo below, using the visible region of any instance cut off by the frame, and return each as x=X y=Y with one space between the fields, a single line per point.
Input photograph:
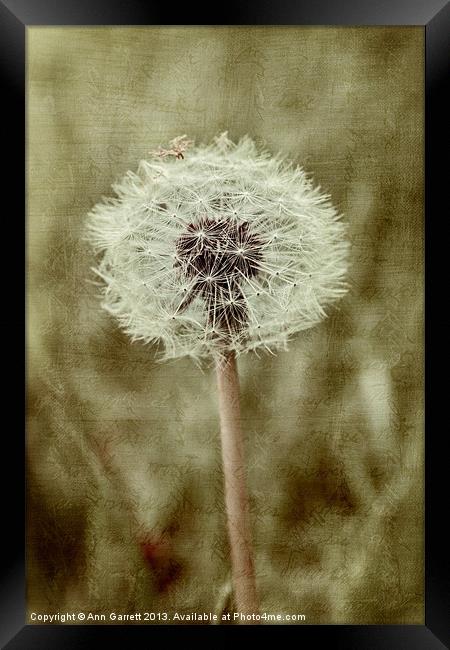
x=222 y=248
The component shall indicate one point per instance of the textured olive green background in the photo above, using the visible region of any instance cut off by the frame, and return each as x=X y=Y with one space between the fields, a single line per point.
x=125 y=507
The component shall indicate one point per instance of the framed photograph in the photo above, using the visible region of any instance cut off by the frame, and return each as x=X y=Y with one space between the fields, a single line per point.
x=225 y=323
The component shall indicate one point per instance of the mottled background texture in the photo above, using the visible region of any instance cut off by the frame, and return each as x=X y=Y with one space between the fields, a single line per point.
x=125 y=496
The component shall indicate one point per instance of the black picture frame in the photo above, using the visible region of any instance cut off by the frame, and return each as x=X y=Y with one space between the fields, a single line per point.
x=15 y=17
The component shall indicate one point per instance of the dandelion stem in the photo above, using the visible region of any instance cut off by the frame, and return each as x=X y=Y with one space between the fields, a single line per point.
x=236 y=497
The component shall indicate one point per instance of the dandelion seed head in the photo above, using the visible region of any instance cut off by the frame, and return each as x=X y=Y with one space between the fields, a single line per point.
x=221 y=248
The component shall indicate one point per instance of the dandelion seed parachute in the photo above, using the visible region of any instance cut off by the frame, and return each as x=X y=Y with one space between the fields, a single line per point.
x=224 y=249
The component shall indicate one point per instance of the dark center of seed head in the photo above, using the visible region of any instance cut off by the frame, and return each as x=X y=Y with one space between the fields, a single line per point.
x=217 y=256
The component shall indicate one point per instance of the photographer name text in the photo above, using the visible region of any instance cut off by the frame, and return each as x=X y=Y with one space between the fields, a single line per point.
x=162 y=617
